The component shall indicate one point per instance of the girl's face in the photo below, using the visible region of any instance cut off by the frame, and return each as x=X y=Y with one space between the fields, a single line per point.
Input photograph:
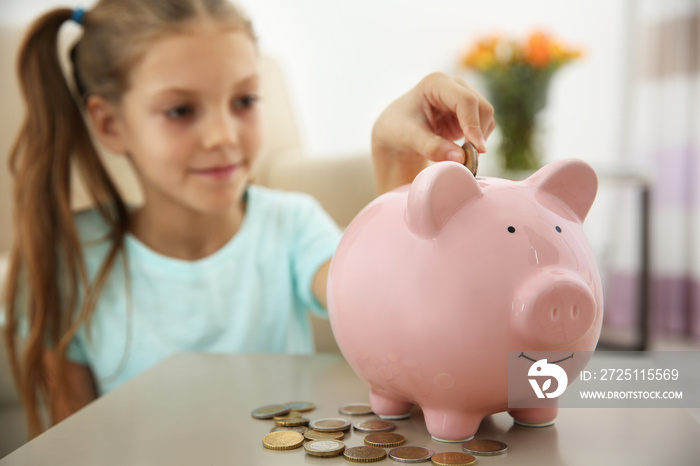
x=190 y=120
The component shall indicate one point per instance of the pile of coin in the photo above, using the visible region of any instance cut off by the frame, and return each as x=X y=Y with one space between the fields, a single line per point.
x=323 y=437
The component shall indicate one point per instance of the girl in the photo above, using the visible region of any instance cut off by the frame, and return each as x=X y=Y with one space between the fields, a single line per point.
x=208 y=262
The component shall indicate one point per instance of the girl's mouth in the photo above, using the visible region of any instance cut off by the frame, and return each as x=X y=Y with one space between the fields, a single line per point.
x=219 y=172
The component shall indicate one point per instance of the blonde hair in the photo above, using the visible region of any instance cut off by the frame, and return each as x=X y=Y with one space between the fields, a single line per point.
x=47 y=268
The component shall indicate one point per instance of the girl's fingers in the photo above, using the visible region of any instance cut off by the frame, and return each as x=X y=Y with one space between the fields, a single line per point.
x=491 y=127
x=432 y=146
x=486 y=110
x=473 y=112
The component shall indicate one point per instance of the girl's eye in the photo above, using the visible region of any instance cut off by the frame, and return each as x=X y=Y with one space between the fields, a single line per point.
x=179 y=112
x=245 y=102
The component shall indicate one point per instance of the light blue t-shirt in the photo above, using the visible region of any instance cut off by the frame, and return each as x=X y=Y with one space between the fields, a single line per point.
x=249 y=296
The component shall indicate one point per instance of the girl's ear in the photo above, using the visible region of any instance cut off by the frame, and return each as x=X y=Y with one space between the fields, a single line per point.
x=105 y=124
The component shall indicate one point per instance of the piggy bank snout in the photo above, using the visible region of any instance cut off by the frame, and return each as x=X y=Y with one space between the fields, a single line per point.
x=554 y=309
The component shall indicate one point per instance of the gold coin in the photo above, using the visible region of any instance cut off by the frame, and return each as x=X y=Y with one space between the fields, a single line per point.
x=301 y=406
x=385 y=440
x=283 y=440
x=364 y=454
x=292 y=421
x=471 y=157
x=335 y=424
x=356 y=409
x=300 y=429
x=324 y=448
x=411 y=454
x=452 y=458
x=316 y=435
x=374 y=425
x=484 y=447
x=269 y=411
x=289 y=415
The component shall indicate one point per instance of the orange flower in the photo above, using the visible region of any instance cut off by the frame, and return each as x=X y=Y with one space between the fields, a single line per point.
x=482 y=56
x=540 y=51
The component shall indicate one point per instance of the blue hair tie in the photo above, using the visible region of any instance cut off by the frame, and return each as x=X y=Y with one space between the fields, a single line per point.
x=78 y=15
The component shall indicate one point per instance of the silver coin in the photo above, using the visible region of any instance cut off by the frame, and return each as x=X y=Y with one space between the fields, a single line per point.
x=324 y=448
x=411 y=454
x=301 y=406
x=333 y=424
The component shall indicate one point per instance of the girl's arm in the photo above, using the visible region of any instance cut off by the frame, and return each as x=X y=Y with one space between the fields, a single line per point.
x=421 y=125
x=81 y=385
x=318 y=286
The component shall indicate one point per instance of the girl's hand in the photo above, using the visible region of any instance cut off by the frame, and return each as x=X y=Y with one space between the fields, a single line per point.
x=422 y=124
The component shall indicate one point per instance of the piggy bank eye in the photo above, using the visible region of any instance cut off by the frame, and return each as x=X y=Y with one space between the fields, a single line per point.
x=558 y=228
x=511 y=229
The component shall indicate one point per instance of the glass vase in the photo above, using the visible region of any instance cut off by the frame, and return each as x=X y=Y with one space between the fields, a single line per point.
x=518 y=93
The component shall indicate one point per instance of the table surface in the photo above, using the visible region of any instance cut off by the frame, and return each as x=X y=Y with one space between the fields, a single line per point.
x=195 y=409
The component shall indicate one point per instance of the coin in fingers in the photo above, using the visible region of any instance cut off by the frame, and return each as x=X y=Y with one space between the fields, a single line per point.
x=471 y=157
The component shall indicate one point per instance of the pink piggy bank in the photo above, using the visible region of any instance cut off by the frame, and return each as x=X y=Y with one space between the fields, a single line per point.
x=433 y=284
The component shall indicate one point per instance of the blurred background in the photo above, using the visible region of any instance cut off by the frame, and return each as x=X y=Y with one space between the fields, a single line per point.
x=628 y=105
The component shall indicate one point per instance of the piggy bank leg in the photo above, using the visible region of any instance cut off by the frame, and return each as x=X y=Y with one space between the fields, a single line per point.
x=534 y=417
x=450 y=425
x=388 y=405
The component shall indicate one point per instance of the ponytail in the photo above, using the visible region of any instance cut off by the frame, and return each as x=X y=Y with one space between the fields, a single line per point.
x=47 y=270
x=46 y=262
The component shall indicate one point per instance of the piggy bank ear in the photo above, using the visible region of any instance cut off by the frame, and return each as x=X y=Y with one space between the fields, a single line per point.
x=573 y=181
x=436 y=194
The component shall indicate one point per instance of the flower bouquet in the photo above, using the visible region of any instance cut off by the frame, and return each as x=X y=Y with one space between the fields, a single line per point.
x=517 y=76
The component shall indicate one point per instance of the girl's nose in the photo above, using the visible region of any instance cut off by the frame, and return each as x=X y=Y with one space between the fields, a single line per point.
x=221 y=131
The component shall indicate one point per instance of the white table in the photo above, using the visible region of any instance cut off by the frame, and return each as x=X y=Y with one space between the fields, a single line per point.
x=194 y=409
